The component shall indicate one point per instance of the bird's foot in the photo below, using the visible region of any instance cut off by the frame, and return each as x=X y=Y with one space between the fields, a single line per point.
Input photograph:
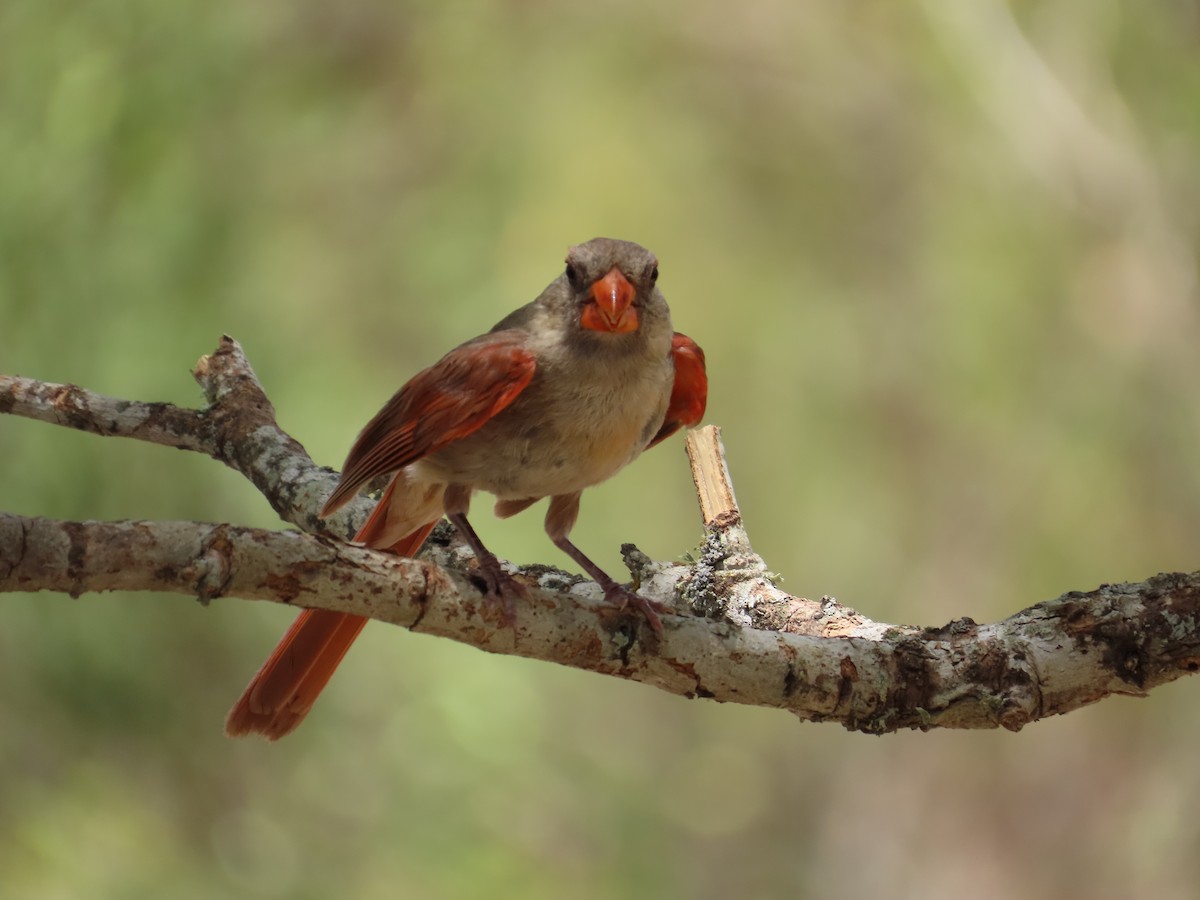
x=620 y=597
x=501 y=590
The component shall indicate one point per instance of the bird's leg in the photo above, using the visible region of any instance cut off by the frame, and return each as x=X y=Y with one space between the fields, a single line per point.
x=614 y=593
x=559 y=519
x=501 y=587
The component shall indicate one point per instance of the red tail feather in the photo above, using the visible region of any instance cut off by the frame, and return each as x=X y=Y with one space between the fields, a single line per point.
x=279 y=697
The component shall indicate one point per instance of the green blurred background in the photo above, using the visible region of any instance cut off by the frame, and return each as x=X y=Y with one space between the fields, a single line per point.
x=941 y=256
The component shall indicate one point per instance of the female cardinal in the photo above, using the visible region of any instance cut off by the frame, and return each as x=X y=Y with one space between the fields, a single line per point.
x=560 y=395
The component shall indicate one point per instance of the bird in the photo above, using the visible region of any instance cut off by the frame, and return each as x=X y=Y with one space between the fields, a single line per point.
x=559 y=396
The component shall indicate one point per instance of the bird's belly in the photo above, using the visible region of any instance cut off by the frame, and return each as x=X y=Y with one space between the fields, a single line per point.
x=520 y=455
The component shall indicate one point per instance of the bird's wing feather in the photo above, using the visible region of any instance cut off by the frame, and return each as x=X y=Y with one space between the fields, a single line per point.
x=446 y=402
x=689 y=393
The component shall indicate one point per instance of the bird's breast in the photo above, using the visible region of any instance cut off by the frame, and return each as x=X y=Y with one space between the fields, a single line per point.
x=572 y=427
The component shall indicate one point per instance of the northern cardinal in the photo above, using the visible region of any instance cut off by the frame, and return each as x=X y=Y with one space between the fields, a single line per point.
x=558 y=396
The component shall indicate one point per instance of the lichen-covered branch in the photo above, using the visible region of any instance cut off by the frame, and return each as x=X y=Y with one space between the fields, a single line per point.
x=736 y=637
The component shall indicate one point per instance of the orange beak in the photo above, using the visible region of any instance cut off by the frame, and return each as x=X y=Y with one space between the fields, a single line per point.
x=611 y=305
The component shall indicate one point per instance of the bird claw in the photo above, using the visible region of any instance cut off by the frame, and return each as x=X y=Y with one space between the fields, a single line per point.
x=501 y=591
x=620 y=597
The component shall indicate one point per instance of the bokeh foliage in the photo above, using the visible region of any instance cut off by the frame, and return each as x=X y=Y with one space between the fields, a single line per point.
x=941 y=256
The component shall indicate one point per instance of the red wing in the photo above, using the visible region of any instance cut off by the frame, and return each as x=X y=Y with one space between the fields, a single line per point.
x=689 y=393
x=449 y=400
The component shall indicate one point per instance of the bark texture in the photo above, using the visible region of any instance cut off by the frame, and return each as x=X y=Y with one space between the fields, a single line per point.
x=735 y=638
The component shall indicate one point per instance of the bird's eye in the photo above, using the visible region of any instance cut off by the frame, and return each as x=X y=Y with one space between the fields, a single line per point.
x=654 y=275
x=573 y=275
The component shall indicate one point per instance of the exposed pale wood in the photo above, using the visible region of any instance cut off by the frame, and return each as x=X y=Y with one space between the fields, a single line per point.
x=714 y=488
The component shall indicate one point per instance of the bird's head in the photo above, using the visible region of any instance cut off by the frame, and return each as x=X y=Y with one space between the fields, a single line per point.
x=613 y=286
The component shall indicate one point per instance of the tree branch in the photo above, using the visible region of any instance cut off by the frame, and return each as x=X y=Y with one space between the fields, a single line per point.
x=737 y=637
x=238 y=428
